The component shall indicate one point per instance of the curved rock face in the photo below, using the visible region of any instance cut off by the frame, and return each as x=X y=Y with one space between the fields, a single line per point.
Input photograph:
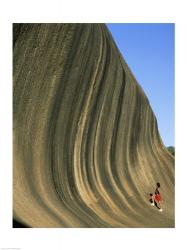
x=87 y=151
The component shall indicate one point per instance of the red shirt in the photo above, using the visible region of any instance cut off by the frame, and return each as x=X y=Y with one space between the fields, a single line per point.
x=157 y=197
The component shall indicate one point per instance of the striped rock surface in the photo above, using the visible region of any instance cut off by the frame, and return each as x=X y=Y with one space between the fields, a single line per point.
x=87 y=150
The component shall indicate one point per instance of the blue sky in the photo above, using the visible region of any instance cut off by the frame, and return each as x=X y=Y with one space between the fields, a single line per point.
x=148 y=49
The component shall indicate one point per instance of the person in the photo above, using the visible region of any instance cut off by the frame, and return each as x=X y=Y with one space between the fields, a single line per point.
x=157 y=196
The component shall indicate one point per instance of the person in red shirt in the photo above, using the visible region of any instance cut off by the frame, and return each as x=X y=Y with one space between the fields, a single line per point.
x=156 y=198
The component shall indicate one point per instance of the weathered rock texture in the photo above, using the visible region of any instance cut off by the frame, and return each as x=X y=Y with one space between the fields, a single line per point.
x=87 y=151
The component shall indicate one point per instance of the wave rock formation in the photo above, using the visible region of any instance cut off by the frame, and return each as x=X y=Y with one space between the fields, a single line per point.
x=87 y=150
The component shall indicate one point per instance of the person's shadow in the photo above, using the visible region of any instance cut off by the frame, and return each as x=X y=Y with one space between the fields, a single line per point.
x=156 y=205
